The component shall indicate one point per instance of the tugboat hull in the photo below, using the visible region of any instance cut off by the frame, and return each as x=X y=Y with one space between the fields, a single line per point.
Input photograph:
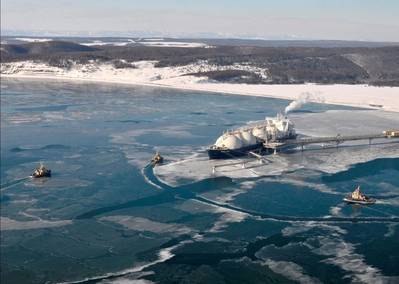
x=362 y=202
x=232 y=153
x=45 y=174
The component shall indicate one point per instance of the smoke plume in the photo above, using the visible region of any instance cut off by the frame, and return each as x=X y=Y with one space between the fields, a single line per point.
x=303 y=98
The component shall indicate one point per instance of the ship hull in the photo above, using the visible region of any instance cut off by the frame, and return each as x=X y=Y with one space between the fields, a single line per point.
x=45 y=174
x=230 y=153
x=362 y=202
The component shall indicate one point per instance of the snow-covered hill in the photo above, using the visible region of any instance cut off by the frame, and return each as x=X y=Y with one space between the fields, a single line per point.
x=146 y=73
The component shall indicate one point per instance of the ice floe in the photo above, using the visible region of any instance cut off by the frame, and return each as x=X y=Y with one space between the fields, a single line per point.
x=8 y=224
x=163 y=255
x=325 y=158
x=144 y=224
x=291 y=270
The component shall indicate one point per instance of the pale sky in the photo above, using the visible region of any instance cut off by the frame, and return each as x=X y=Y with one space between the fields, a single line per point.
x=375 y=20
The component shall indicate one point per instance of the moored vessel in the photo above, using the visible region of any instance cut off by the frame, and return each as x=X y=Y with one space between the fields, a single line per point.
x=241 y=141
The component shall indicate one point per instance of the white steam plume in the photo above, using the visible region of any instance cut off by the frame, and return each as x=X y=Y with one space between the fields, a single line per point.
x=303 y=98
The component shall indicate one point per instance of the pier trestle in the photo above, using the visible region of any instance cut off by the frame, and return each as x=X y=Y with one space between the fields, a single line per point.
x=339 y=139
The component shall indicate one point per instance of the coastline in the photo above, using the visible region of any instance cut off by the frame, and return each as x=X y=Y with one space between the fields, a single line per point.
x=363 y=96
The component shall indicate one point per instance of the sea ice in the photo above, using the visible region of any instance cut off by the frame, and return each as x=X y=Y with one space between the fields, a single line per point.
x=325 y=158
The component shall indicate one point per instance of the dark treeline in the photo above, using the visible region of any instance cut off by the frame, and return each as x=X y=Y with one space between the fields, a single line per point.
x=350 y=65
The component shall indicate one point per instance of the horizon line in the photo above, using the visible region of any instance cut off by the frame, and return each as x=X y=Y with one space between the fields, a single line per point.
x=191 y=37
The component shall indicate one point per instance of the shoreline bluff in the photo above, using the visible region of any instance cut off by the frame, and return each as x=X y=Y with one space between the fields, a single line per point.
x=362 y=96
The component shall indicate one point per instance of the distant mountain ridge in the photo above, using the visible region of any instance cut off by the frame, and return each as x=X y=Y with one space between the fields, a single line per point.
x=217 y=41
x=45 y=47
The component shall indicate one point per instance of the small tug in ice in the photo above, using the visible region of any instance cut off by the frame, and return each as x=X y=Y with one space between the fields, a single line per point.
x=41 y=171
x=357 y=197
x=252 y=138
x=157 y=159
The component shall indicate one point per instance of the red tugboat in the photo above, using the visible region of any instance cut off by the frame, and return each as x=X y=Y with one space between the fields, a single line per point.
x=357 y=197
x=41 y=171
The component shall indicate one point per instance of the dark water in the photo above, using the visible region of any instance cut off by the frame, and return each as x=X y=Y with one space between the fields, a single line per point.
x=105 y=216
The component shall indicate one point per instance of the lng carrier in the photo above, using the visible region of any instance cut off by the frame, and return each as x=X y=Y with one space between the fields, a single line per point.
x=273 y=134
x=253 y=138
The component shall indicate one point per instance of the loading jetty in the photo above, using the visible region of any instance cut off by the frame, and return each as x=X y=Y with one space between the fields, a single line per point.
x=338 y=139
x=275 y=134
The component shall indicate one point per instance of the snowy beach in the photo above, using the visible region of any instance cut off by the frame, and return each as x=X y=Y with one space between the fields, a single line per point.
x=145 y=73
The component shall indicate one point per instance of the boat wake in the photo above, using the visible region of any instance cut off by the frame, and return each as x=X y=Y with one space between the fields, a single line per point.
x=13 y=183
x=324 y=219
x=331 y=219
x=146 y=171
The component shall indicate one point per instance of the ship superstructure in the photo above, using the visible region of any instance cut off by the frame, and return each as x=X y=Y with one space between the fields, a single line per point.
x=41 y=171
x=252 y=138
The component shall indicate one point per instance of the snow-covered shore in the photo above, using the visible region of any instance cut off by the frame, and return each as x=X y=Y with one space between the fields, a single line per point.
x=145 y=73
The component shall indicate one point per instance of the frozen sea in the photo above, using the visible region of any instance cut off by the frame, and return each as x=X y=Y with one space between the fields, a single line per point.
x=106 y=217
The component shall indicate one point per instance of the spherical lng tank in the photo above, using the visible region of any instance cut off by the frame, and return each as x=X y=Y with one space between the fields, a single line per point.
x=229 y=141
x=248 y=138
x=259 y=132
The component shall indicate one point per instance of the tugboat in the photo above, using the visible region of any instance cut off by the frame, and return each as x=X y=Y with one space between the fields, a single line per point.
x=41 y=171
x=357 y=197
x=157 y=159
